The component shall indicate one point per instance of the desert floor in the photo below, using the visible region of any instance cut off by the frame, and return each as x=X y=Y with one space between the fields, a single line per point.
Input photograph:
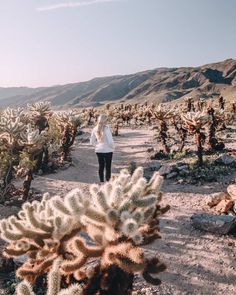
x=197 y=262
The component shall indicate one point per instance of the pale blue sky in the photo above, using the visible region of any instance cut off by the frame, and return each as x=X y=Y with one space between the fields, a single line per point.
x=47 y=42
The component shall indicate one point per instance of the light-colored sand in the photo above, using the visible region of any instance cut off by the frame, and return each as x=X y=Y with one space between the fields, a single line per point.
x=198 y=263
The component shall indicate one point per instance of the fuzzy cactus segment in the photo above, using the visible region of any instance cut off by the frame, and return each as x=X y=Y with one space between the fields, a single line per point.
x=54 y=278
x=41 y=231
x=53 y=284
x=118 y=217
x=24 y=288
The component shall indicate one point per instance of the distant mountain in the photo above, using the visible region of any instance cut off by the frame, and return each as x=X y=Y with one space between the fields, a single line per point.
x=159 y=85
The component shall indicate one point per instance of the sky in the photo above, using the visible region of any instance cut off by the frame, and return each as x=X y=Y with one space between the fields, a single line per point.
x=51 y=42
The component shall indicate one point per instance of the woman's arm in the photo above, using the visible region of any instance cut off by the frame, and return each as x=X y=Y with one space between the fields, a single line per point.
x=110 y=140
x=93 y=139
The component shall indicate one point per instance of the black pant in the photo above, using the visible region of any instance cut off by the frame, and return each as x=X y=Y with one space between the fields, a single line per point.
x=104 y=161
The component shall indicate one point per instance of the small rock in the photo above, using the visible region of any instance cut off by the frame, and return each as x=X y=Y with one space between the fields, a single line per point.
x=160 y=155
x=171 y=175
x=154 y=166
x=183 y=172
x=231 y=189
x=79 y=132
x=65 y=166
x=166 y=169
x=219 y=224
x=225 y=159
x=150 y=149
x=179 y=164
x=40 y=172
x=224 y=206
x=215 y=199
x=182 y=167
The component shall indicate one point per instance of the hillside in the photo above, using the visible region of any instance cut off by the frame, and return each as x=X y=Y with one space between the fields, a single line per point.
x=158 y=85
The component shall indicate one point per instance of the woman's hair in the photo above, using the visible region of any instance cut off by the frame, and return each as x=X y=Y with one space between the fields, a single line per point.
x=102 y=120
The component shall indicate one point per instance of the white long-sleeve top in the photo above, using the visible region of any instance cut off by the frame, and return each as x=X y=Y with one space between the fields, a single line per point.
x=106 y=145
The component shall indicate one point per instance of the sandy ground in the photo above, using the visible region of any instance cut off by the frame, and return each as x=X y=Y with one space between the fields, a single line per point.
x=198 y=262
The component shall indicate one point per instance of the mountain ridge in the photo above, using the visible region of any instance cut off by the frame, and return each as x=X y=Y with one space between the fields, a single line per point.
x=157 y=85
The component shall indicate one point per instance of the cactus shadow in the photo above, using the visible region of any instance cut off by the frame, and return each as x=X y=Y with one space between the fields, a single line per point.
x=192 y=266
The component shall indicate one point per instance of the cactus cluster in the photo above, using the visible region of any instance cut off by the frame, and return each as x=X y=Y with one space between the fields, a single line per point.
x=68 y=123
x=184 y=118
x=119 y=217
x=29 y=140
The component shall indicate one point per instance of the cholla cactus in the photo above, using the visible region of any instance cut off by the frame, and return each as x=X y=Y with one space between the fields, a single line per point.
x=68 y=123
x=32 y=142
x=41 y=231
x=119 y=217
x=126 y=204
x=31 y=137
x=68 y=117
x=217 y=118
x=40 y=109
x=201 y=104
x=53 y=148
x=233 y=108
x=163 y=115
x=11 y=124
x=189 y=104
x=182 y=131
x=54 y=281
x=116 y=124
x=13 y=113
x=39 y=114
x=89 y=115
x=195 y=123
x=221 y=102
x=11 y=127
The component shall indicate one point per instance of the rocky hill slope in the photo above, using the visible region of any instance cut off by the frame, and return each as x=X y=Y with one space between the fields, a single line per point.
x=158 y=85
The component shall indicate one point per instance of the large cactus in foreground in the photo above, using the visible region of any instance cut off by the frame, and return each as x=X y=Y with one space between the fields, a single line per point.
x=119 y=217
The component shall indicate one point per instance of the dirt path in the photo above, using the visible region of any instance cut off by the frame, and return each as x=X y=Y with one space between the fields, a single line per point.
x=129 y=147
x=198 y=263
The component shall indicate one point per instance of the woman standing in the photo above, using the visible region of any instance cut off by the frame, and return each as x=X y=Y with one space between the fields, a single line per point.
x=102 y=139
